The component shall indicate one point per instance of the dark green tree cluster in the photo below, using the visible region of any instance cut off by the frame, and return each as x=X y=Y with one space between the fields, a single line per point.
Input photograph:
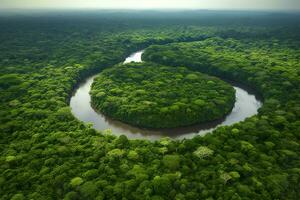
x=156 y=96
x=45 y=153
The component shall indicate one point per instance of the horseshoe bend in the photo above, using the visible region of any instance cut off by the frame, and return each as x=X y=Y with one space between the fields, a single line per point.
x=209 y=109
x=245 y=105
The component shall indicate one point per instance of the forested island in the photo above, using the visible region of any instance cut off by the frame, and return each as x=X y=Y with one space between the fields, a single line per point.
x=46 y=153
x=157 y=96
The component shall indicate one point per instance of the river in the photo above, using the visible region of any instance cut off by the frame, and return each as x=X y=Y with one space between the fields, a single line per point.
x=246 y=105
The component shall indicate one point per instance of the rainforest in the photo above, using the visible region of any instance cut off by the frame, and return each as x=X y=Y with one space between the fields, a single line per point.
x=157 y=96
x=191 y=65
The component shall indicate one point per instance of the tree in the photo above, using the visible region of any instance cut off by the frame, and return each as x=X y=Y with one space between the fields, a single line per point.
x=203 y=152
x=88 y=190
x=171 y=162
x=76 y=181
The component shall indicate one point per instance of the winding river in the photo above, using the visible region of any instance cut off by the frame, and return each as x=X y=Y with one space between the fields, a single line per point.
x=246 y=105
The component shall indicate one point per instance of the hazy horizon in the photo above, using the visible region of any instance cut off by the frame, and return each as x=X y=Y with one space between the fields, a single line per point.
x=272 y=5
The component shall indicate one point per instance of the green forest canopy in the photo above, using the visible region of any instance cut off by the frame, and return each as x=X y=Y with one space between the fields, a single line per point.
x=48 y=154
x=156 y=96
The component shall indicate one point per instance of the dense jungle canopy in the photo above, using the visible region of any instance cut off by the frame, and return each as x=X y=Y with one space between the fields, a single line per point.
x=46 y=153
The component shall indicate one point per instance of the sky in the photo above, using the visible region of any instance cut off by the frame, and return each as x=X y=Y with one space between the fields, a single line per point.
x=153 y=4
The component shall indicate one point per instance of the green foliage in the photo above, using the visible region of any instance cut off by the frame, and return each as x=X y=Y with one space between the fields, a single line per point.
x=133 y=155
x=43 y=147
x=88 y=190
x=10 y=158
x=171 y=162
x=150 y=95
x=76 y=181
x=273 y=70
x=18 y=197
x=203 y=152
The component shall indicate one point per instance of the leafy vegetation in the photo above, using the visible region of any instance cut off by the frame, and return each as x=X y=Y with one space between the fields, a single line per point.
x=47 y=154
x=155 y=96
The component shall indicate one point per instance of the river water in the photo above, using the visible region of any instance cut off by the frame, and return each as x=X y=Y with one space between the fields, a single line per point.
x=246 y=105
